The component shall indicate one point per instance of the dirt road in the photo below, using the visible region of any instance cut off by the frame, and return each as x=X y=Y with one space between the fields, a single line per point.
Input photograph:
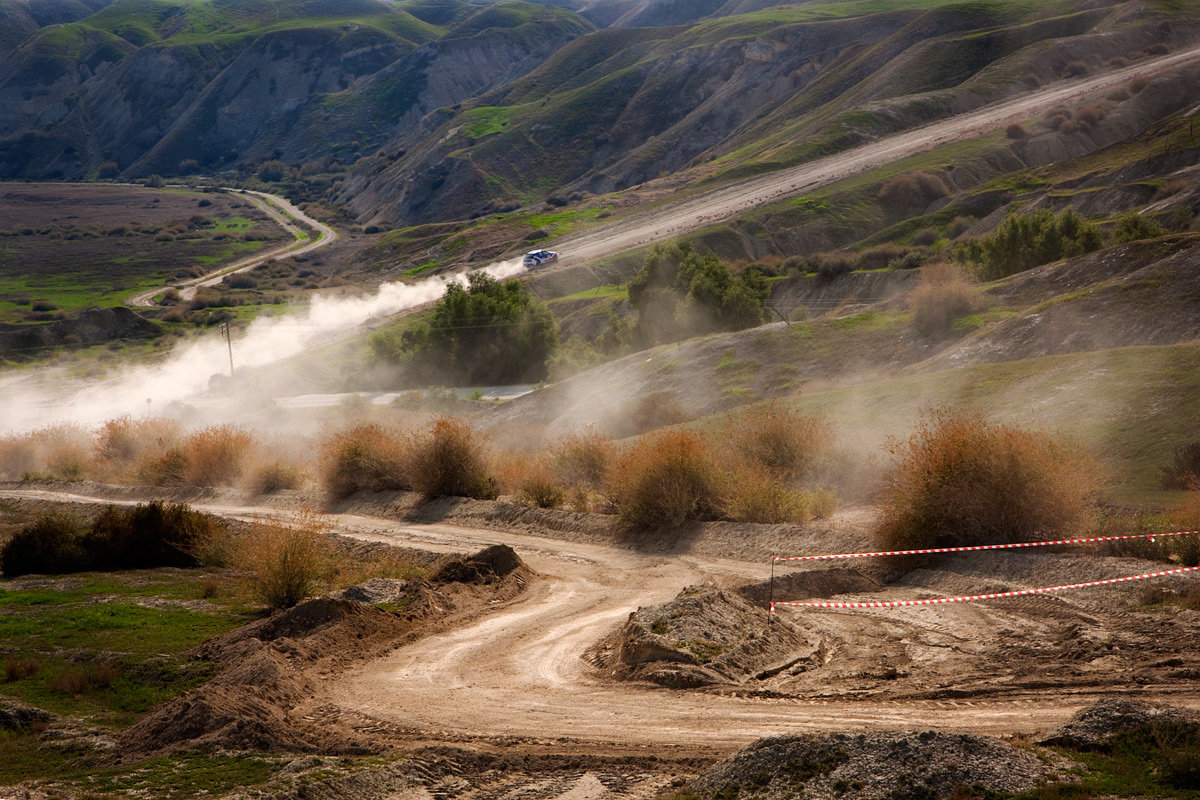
x=697 y=212
x=286 y=215
x=518 y=674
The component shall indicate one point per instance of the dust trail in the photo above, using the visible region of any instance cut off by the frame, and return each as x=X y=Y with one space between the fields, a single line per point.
x=30 y=400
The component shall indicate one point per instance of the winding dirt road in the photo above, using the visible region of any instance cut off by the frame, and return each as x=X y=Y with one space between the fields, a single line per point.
x=518 y=674
x=286 y=215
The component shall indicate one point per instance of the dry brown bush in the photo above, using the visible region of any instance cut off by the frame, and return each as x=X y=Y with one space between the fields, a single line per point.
x=1158 y=49
x=912 y=190
x=365 y=457
x=1016 y=131
x=925 y=237
x=56 y=452
x=754 y=493
x=449 y=458
x=958 y=226
x=1090 y=114
x=276 y=476
x=533 y=481
x=942 y=295
x=582 y=458
x=1186 y=516
x=216 y=456
x=781 y=440
x=72 y=681
x=961 y=480
x=1074 y=69
x=664 y=480
x=1137 y=84
x=124 y=447
x=288 y=559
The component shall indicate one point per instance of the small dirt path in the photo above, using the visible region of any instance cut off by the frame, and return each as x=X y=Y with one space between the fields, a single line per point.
x=286 y=215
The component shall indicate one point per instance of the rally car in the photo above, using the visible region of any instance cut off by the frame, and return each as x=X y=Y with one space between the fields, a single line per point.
x=535 y=258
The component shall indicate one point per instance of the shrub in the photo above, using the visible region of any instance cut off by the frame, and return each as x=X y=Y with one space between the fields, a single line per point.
x=151 y=535
x=1186 y=516
x=52 y=545
x=276 y=477
x=958 y=226
x=912 y=191
x=782 y=441
x=216 y=456
x=1138 y=83
x=272 y=171
x=664 y=480
x=535 y=483
x=1016 y=131
x=288 y=559
x=1074 y=69
x=753 y=493
x=960 y=480
x=72 y=681
x=942 y=295
x=925 y=237
x=1132 y=227
x=582 y=458
x=366 y=457
x=448 y=458
x=1024 y=241
x=1089 y=115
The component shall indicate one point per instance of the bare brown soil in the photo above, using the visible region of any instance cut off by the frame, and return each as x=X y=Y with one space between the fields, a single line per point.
x=519 y=671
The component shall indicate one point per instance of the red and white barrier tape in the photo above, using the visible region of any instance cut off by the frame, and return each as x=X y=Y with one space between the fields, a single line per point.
x=1012 y=545
x=968 y=598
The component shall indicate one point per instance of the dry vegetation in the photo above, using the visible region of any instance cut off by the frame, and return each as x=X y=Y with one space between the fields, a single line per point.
x=961 y=480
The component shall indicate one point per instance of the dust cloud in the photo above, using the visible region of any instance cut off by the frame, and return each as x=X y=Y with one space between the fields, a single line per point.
x=37 y=398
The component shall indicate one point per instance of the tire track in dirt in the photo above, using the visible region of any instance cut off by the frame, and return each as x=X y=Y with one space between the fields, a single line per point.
x=517 y=674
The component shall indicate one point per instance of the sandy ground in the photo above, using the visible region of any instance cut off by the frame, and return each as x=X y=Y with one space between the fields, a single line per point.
x=517 y=676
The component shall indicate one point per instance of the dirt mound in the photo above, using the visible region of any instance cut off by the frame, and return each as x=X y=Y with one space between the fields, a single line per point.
x=270 y=666
x=1095 y=727
x=488 y=564
x=16 y=717
x=872 y=765
x=705 y=636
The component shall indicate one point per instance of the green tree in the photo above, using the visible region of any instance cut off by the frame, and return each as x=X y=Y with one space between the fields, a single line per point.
x=679 y=293
x=486 y=332
x=1024 y=241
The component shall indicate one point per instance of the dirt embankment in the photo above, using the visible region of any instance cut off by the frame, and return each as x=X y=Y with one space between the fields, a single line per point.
x=272 y=665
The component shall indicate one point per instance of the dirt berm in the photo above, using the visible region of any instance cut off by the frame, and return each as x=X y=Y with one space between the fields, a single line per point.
x=270 y=666
x=705 y=636
x=873 y=765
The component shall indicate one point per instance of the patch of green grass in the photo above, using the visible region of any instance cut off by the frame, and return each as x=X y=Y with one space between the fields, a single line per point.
x=24 y=757
x=486 y=120
x=617 y=292
x=423 y=269
x=106 y=645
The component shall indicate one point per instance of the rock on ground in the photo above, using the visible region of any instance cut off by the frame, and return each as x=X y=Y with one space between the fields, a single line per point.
x=873 y=765
x=1095 y=727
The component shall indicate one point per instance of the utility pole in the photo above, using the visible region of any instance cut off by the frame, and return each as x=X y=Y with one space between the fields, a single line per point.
x=225 y=330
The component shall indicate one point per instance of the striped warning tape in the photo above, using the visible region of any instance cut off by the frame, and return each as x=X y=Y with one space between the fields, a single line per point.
x=1009 y=546
x=968 y=598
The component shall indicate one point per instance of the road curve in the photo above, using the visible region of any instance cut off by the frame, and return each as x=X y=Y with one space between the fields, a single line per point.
x=285 y=214
x=518 y=672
